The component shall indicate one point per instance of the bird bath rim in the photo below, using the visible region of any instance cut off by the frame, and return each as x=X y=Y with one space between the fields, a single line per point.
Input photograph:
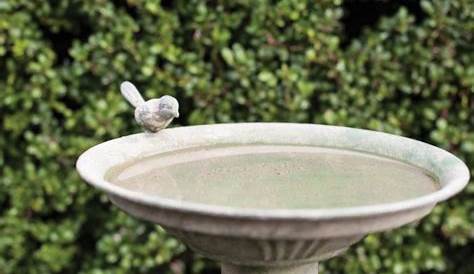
x=452 y=180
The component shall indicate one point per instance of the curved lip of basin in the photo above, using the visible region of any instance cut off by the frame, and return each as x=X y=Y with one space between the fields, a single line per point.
x=448 y=188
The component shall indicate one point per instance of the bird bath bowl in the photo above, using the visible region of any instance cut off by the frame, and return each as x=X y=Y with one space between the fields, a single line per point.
x=272 y=197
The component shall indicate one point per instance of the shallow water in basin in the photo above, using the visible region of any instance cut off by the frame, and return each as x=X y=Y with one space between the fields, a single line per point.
x=274 y=176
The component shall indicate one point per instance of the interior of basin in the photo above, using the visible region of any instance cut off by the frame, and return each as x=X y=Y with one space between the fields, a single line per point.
x=265 y=176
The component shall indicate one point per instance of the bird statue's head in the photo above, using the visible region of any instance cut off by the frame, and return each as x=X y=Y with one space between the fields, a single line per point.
x=168 y=107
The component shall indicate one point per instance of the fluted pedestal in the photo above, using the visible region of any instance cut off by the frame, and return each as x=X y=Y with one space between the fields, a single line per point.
x=311 y=268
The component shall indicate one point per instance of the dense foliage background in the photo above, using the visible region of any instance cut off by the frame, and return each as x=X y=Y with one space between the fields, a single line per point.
x=404 y=67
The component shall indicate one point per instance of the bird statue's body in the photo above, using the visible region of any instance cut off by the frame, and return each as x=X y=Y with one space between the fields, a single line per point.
x=153 y=115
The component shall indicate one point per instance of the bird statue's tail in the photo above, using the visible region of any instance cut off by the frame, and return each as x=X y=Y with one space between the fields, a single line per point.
x=131 y=93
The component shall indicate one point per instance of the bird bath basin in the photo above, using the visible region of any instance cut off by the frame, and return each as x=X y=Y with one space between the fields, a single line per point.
x=272 y=197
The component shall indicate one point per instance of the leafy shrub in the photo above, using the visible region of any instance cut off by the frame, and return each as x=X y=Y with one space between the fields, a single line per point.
x=61 y=62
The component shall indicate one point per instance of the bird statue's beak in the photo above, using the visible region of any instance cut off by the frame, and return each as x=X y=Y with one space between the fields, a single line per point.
x=176 y=115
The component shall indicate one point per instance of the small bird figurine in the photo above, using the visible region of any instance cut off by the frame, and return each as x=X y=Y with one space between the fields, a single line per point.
x=153 y=115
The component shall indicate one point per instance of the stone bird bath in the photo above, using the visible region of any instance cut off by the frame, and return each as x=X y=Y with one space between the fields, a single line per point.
x=272 y=197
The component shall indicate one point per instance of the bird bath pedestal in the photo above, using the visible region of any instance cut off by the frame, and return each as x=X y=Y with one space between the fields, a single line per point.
x=272 y=197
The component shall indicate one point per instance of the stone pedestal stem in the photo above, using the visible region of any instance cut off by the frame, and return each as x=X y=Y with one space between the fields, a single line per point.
x=298 y=269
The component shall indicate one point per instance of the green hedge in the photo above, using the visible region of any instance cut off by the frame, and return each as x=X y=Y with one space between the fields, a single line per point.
x=61 y=62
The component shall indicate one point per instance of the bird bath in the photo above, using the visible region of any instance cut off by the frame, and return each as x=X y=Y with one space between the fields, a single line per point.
x=272 y=197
